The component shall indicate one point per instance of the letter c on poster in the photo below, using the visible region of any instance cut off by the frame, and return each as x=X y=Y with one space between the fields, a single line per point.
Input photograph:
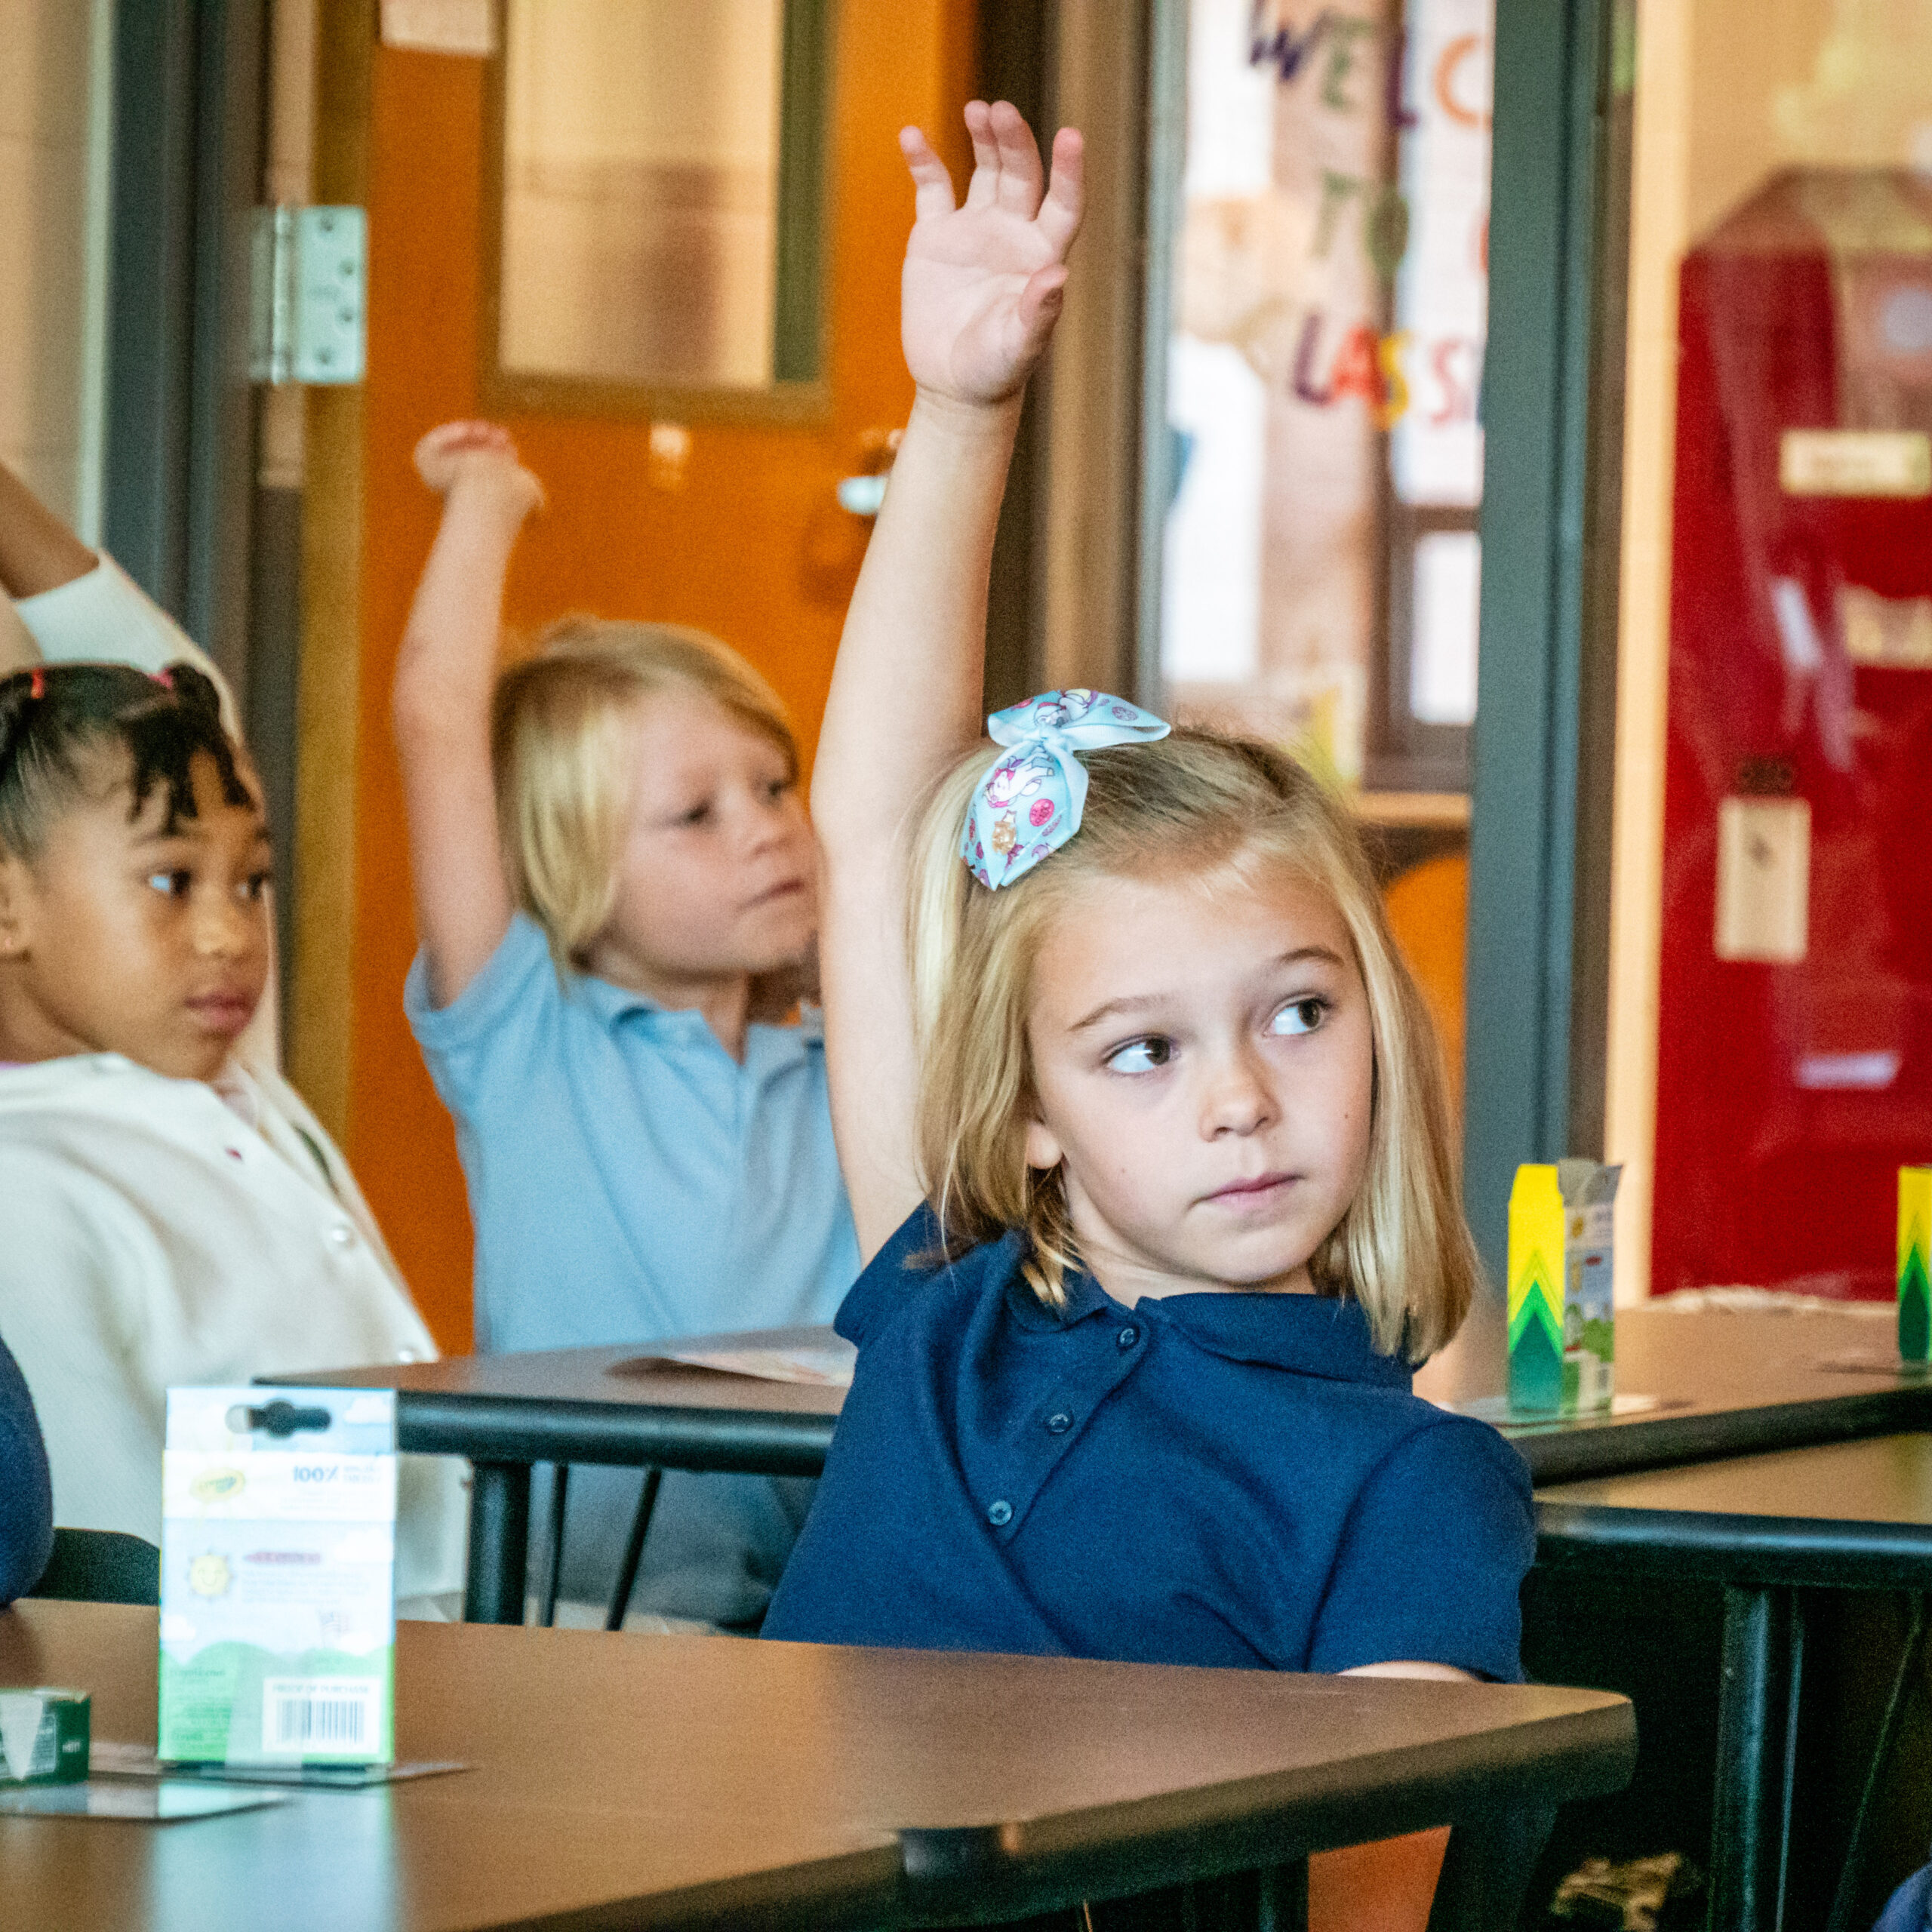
x=1448 y=65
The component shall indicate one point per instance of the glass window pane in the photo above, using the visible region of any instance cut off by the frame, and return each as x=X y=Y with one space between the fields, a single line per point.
x=640 y=169
x=1324 y=374
x=1442 y=654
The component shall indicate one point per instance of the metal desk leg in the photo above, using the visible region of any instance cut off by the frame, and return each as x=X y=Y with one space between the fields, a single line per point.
x=1846 y=1896
x=1282 y=1906
x=498 y=1543
x=1756 y=1734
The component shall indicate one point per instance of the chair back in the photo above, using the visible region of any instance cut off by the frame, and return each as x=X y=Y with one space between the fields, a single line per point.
x=101 y=1566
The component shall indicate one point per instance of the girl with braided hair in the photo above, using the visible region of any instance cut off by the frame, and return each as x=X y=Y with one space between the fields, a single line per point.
x=171 y=1215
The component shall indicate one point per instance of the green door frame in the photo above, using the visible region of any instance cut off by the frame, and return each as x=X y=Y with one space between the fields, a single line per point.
x=1539 y=859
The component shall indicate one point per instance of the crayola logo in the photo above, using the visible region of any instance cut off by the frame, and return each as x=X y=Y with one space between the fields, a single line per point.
x=218 y=1485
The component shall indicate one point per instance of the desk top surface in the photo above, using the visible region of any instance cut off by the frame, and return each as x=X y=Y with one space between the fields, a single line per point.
x=1723 y=1382
x=627 y=1377
x=714 y=1781
x=1847 y=1515
x=1885 y=1479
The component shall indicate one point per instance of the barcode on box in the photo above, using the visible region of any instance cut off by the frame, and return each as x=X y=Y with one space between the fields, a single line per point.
x=322 y=1717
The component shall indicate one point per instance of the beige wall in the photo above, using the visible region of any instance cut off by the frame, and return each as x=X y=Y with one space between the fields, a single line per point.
x=1728 y=91
x=53 y=188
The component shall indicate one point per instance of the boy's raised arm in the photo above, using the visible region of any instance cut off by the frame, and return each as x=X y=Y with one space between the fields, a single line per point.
x=444 y=674
x=981 y=292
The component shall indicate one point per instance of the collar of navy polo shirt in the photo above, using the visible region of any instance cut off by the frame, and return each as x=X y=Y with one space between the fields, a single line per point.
x=1308 y=1334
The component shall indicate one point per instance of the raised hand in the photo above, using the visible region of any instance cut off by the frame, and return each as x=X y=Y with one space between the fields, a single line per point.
x=478 y=455
x=982 y=283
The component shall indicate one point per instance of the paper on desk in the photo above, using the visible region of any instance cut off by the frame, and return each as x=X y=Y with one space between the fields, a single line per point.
x=1877 y=1361
x=163 y=1804
x=138 y=1761
x=1496 y=1409
x=828 y=1367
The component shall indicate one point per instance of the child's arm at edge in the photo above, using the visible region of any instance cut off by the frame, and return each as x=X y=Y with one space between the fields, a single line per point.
x=38 y=552
x=1389 y=1882
x=445 y=673
x=981 y=290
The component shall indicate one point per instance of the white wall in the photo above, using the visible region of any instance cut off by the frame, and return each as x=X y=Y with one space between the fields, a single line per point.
x=54 y=125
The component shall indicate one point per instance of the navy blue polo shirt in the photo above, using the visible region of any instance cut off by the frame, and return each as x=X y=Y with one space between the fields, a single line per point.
x=1216 y=1478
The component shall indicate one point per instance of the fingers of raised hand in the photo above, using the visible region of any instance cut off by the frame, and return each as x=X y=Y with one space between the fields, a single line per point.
x=1060 y=214
x=932 y=185
x=1018 y=184
x=983 y=191
x=451 y=440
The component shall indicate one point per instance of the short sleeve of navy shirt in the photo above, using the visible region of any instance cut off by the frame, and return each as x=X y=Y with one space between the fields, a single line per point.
x=1214 y=1478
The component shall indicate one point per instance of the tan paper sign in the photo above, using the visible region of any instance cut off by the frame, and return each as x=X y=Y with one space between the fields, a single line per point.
x=440 y=27
x=1764 y=879
x=1855 y=463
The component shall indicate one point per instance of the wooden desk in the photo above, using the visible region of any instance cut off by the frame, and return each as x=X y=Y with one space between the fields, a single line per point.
x=1844 y=1516
x=621 y=1780
x=1732 y=1384
x=590 y=1405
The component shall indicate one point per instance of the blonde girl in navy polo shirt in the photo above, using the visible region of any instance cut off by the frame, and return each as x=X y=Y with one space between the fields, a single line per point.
x=1143 y=1123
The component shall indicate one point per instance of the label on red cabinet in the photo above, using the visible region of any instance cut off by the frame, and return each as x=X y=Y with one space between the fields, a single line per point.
x=1764 y=879
x=1855 y=463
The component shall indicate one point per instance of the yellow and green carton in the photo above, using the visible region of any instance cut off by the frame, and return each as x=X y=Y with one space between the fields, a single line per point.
x=1915 y=1290
x=1562 y=1265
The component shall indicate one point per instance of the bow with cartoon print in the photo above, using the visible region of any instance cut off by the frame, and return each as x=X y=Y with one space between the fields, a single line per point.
x=1029 y=803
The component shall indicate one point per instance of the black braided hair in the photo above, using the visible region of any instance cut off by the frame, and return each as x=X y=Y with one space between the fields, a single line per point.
x=56 y=719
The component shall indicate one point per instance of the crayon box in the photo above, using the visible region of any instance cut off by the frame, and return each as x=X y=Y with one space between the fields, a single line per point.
x=278 y=1561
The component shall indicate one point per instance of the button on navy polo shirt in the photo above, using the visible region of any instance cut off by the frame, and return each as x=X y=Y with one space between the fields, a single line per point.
x=1216 y=1478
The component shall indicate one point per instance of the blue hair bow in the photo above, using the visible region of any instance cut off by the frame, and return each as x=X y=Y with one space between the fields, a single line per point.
x=1029 y=804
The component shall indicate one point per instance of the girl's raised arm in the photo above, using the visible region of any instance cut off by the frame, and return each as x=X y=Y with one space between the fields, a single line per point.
x=444 y=674
x=981 y=291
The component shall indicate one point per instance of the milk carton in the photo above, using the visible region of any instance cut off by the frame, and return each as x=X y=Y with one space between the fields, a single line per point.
x=1562 y=1334
x=277 y=1568
x=1915 y=1290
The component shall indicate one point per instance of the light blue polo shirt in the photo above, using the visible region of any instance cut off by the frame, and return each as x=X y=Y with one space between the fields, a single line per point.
x=628 y=1179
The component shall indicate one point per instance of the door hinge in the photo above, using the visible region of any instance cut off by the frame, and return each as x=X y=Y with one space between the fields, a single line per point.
x=308 y=318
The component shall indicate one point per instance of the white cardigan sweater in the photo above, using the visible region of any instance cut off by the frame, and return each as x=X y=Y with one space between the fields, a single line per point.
x=150 y=1236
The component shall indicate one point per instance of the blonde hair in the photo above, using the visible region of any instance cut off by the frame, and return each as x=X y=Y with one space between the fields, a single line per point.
x=1202 y=802
x=563 y=762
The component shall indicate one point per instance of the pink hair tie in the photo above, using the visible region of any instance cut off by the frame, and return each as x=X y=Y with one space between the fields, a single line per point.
x=37 y=685
x=165 y=679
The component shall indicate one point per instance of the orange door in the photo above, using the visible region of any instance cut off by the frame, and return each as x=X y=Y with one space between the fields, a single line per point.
x=745 y=538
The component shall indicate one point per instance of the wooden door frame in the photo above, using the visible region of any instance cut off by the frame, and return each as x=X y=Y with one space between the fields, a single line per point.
x=321 y=980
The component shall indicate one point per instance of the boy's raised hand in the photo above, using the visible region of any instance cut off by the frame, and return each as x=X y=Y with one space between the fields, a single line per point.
x=475 y=452
x=982 y=283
